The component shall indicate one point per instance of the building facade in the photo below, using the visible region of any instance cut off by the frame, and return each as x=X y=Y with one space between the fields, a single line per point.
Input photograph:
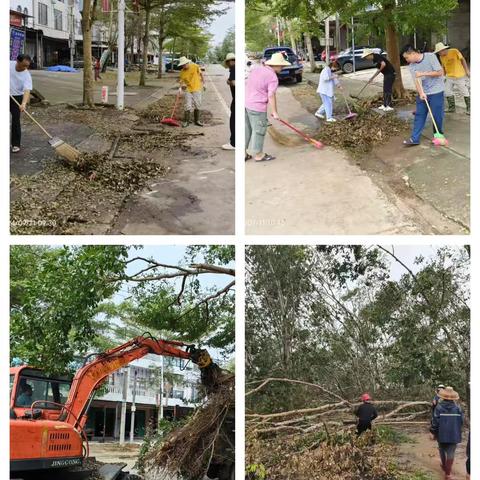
x=179 y=397
x=49 y=26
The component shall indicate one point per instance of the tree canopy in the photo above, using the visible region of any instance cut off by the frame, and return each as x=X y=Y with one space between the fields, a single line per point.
x=67 y=301
x=335 y=316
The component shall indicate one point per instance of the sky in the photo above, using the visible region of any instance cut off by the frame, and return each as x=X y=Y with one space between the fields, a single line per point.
x=218 y=28
x=172 y=255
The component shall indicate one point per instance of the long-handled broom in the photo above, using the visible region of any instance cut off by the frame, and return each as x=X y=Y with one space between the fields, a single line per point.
x=172 y=121
x=439 y=139
x=350 y=113
x=314 y=142
x=63 y=149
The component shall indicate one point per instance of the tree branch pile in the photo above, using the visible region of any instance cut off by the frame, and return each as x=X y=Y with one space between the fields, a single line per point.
x=320 y=442
x=205 y=443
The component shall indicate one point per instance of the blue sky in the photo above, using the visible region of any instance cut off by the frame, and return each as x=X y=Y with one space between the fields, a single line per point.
x=218 y=28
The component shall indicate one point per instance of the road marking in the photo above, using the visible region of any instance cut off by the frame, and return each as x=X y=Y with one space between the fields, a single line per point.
x=222 y=101
x=211 y=171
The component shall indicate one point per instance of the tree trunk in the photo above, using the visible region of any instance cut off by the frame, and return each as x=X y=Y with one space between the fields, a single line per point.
x=161 y=39
x=87 y=14
x=393 y=51
x=311 y=57
x=146 y=38
x=292 y=36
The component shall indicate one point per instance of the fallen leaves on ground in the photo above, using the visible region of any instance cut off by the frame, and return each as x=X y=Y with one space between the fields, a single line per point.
x=310 y=457
x=361 y=134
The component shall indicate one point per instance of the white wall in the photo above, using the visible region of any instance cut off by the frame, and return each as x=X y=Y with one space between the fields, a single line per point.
x=49 y=30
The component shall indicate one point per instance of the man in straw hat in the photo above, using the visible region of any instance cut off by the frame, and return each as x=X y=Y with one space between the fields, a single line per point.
x=446 y=428
x=456 y=73
x=260 y=91
x=365 y=413
x=388 y=71
x=427 y=74
x=192 y=83
x=230 y=64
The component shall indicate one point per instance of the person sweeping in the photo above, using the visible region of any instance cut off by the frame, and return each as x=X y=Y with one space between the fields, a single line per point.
x=366 y=414
x=260 y=92
x=192 y=84
x=457 y=74
x=230 y=64
x=385 y=68
x=429 y=81
x=20 y=87
x=327 y=82
x=446 y=428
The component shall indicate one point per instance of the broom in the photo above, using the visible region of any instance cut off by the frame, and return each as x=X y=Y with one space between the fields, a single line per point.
x=61 y=148
x=314 y=142
x=350 y=113
x=172 y=121
x=439 y=139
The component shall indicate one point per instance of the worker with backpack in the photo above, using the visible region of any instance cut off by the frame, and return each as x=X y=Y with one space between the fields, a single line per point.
x=365 y=413
x=446 y=428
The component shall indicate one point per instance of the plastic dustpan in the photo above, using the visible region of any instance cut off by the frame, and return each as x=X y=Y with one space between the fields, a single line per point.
x=170 y=121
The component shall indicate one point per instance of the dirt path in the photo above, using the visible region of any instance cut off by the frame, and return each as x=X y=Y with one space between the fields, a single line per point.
x=422 y=454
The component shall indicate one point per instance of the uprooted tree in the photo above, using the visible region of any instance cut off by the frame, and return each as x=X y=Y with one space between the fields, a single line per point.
x=325 y=324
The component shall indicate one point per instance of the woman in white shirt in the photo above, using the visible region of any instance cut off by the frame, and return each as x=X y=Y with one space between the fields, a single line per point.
x=20 y=87
x=326 y=88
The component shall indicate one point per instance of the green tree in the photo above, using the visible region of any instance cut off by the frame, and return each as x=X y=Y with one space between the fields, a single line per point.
x=89 y=12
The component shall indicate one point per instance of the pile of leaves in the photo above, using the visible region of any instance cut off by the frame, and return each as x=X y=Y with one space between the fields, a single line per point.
x=162 y=108
x=127 y=175
x=360 y=135
x=188 y=452
x=319 y=456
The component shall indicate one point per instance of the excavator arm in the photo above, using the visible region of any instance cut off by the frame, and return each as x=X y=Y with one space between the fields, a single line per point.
x=91 y=376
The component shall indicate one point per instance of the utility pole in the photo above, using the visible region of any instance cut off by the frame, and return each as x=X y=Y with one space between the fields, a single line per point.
x=121 y=55
x=353 y=44
x=337 y=32
x=123 y=414
x=278 y=32
x=134 y=408
x=72 y=32
x=327 y=41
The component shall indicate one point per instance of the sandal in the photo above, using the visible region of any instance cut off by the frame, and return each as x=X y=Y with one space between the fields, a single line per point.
x=15 y=149
x=410 y=143
x=266 y=158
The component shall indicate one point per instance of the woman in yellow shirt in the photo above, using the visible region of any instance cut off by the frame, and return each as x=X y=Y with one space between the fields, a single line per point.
x=192 y=83
x=456 y=73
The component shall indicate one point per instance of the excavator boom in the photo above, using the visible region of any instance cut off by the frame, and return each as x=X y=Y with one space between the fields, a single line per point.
x=91 y=376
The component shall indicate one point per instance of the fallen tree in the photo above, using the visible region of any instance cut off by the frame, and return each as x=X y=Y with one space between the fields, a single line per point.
x=204 y=446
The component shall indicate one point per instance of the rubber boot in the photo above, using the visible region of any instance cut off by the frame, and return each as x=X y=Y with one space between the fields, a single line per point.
x=451 y=104
x=196 y=116
x=448 y=468
x=186 y=119
x=467 y=103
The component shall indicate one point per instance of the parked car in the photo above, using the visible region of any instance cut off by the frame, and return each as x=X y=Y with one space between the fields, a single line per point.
x=345 y=58
x=168 y=65
x=292 y=72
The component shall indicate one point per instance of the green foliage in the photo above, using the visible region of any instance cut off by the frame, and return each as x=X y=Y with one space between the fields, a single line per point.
x=55 y=294
x=218 y=54
x=387 y=434
x=333 y=315
x=256 y=472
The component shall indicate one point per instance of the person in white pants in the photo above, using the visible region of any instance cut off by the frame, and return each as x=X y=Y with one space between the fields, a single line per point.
x=457 y=74
x=326 y=88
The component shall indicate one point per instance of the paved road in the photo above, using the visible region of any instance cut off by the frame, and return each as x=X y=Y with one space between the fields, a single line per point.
x=198 y=195
x=307 y=191
x=198 y=198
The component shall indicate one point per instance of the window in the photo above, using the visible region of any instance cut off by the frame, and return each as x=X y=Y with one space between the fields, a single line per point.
x=32 y=389
x=58 y=19
x=42 y=14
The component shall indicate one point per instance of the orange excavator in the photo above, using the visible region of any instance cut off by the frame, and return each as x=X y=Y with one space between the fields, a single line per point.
x=48 y=415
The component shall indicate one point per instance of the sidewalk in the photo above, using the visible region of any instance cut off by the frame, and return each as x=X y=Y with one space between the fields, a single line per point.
x=186 y=181
x=394 y=191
